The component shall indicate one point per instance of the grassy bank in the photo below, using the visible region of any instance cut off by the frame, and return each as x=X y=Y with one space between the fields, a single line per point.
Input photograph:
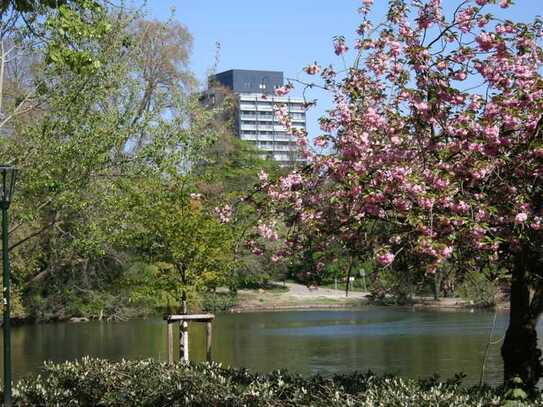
x=92 y=382
x=297 y=296
x=274 y=296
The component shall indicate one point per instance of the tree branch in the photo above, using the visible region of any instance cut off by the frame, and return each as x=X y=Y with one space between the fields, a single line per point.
x=32 y=235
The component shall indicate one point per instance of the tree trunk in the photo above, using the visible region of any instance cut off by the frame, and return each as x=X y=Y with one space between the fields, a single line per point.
x=184 y=331
x=521 y=356
x=437 y=284
x=183 y=326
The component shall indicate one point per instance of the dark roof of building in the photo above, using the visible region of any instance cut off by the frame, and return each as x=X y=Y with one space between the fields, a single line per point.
x=249 y=81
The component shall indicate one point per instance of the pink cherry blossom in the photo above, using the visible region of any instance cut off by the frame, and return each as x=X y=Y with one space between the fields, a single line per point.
x=385 y=259
x=340 y=46
x=312 y=69
x=482 y=21
x=267 y=231
x=520 y=218
x=224 y=213
x=485 y=41
x=537 y=223
x=447 y=251
x=464 y=19
x=320 y=142
x=282 y=90
x=460 y=75
x=263 y=176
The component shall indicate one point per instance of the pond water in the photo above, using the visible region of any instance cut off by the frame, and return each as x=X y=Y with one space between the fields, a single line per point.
x=400 y=341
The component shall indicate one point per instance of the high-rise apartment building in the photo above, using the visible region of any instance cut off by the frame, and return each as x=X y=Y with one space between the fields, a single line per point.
x=255 y=119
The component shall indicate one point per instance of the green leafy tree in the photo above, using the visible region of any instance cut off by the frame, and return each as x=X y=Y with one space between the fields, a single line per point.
x=80 y=127
x=166 y=226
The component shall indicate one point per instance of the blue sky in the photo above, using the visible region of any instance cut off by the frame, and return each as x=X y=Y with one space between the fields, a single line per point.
x=282 y=35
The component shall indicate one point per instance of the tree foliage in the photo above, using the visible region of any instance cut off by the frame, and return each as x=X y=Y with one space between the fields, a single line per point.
x=169 y=227
x=108 y=135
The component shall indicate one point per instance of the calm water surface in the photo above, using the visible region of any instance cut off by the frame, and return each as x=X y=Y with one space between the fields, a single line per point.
x=400 y=341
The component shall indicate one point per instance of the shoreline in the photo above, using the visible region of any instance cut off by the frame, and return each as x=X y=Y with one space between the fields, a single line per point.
x=299 y=297
x=423 y=306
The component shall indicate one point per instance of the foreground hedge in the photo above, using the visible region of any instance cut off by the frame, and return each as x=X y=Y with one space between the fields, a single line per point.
x=97 y=382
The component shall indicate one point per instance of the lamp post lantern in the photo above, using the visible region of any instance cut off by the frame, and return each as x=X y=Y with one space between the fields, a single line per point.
x=7 y=177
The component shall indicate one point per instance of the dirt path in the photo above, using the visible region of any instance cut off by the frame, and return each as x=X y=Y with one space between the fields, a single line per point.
x=302 y=292
x=298 y=296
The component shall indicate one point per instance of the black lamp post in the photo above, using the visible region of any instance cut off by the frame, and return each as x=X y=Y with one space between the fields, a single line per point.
x=7 y=177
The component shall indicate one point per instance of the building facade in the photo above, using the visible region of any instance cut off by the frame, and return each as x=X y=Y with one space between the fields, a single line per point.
x=255 y=119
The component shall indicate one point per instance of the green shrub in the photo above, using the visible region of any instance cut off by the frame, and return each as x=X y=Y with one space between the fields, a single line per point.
x=215 y=302
x=93 y=382
x=480 y=287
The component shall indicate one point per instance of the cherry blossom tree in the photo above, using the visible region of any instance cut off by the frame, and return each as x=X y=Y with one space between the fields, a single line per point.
x=433 y=151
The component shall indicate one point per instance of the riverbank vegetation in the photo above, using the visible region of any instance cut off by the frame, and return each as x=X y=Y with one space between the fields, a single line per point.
x=92 y=382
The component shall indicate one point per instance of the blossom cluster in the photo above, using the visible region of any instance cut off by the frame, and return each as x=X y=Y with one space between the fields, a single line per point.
x=435 y=140
x=224 y=213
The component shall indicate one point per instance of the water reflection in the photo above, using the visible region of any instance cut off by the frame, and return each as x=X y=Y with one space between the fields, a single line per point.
x=399 y=341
